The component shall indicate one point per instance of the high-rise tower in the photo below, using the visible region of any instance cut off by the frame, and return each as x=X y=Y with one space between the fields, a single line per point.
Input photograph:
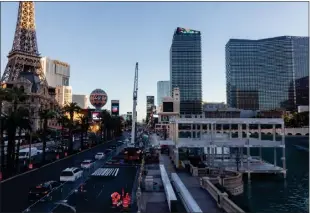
x=24 y=70
x=185 y=69
x=267 y=74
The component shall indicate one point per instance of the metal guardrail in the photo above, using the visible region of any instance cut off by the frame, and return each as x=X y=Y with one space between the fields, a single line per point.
x=170 y=195
x=188 y=201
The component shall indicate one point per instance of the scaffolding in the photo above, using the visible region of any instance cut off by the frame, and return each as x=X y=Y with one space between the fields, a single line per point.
x=204 y=134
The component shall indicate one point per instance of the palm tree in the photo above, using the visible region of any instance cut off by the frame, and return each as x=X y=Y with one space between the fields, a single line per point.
x=23 y=123
x=17 y=119
x=104 y=126
x=116 y=126
x=71 y=108
x=84 y=126
x=16 y=96
x=45 y=116
x=3 y=97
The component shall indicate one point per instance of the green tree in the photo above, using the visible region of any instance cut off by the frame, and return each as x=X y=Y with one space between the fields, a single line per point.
x=105 y=119
x=23 y=123
x=4 y=93
x=71 y=109
x=84 y=126
x=45 y=116
x=15 y=96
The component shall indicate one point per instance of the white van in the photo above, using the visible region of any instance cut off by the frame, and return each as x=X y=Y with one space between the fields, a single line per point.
x=71 y=174
x=24 y=153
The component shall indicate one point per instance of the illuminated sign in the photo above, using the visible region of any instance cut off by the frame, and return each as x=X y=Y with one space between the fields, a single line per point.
x=187 y=31
x=115 y=107
x=96 y=116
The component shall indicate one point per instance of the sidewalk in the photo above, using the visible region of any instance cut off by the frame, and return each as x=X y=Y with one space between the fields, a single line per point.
x=201 y=196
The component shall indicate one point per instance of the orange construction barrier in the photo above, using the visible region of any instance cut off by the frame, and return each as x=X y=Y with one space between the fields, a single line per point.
x=125 y=202
x=115 y=198
x=128 y=197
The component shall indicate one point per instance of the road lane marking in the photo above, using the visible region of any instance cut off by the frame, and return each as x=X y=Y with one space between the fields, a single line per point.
x=24 y=173
x=99 y=194
x=29 y=207
x=116 y=172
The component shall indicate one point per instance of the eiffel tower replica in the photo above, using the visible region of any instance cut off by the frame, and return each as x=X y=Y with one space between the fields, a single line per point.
x=24 y=69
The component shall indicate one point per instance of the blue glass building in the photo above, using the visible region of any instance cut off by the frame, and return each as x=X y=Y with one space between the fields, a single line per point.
x=261 y=74
x=185 y=69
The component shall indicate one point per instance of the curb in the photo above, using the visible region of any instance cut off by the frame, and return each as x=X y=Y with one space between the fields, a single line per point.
x=18 y=175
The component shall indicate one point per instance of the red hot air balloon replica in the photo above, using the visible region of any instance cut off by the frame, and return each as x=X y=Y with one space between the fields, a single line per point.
x=98 y=98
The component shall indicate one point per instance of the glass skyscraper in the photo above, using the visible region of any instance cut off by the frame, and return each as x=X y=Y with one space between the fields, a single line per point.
x=261 y=74
x=185 y=69
x=163 y=90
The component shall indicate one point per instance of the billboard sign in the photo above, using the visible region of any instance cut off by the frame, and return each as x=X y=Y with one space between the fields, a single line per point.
x=115 y=107
x=95 y=116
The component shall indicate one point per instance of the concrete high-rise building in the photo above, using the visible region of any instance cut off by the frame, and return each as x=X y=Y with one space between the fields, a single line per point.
x=57 y=73
x=63 y=95
x=163 y=90
x=262 y=74
x=149 y=106
x=185 y=69
x=81 y=100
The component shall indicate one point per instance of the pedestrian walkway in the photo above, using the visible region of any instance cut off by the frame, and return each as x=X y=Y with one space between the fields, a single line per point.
x=201 y=196
x=165 y=160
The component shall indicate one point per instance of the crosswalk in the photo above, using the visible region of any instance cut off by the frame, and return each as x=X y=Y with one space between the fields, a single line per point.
x=106 y=172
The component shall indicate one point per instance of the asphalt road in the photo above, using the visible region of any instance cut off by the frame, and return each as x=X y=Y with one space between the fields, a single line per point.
x=14 y=192
x=96 y=193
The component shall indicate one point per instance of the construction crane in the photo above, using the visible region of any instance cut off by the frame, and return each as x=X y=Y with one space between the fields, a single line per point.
x=134 y=108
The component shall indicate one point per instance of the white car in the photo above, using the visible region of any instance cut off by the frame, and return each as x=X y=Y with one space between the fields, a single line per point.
x=99 y=156
x=86 y=164
x=71 y=174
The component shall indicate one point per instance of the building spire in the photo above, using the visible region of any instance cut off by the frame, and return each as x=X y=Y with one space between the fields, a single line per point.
x=25 y=40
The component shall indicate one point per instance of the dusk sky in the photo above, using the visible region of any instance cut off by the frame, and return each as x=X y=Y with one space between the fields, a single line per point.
x=102 y=41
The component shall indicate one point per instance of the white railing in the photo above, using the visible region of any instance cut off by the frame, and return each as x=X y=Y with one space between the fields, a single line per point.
x=188 y=201
x=221 y=198
x=170 y=195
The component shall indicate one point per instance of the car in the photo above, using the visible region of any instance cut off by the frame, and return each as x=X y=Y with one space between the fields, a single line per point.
x=86 y=164
x=107 y=151
x=99 y=155
x=71 y=174
x=43 y=190
x=113 y=147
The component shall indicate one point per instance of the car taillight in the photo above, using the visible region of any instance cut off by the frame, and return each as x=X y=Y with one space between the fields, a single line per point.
x=45 y=192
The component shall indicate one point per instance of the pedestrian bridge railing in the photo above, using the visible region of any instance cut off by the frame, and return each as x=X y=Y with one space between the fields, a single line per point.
x=188 y=201
x=221 y=198
x=170 y=195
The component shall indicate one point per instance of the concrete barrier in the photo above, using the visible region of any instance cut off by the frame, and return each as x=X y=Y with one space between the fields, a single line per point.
x=232 y=181
x=221 y=198
x=170 y=195
x=188 y=201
